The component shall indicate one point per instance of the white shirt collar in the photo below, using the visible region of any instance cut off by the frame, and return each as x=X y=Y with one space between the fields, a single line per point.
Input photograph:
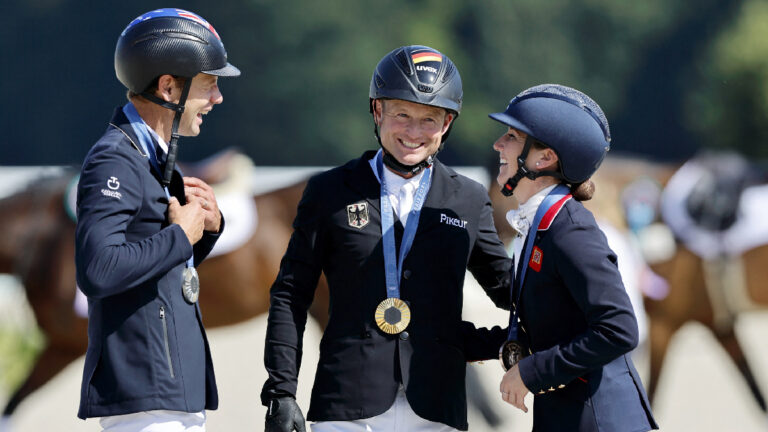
x=394 y=184
x=522 y=217
x=161 y=142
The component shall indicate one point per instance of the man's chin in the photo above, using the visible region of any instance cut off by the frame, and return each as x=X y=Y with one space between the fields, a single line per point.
x=189 y=133
x=410 y=161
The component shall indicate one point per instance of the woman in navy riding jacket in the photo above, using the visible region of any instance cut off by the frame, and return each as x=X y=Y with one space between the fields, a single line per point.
x=571 y=323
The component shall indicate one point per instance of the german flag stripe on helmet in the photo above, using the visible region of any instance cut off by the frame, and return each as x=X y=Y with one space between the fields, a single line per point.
x=426 y=56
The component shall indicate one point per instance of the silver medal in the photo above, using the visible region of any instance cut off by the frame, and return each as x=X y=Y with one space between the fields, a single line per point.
x=190 y=287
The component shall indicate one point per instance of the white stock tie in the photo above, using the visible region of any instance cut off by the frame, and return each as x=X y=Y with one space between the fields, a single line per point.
x=405 y=201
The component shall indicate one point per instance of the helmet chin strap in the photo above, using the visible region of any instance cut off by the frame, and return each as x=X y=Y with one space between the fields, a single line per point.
x=173 y=146
x=400 y=168
x=509 y=187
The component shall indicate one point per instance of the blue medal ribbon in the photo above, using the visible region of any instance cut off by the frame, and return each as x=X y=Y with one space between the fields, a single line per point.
x=148 y=145
x=555 y=195
x=392 y=264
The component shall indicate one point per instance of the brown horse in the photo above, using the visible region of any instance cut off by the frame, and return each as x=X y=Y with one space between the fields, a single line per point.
x=713 y=290
x=37 y=245
x=689 y=299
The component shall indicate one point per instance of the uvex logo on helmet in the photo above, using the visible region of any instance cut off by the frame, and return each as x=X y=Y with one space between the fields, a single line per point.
x=427 y=64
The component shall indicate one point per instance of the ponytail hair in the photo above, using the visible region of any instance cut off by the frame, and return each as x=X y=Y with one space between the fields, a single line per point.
x=583 y=191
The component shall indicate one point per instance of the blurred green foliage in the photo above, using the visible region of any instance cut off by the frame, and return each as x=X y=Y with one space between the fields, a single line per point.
x=729 y=100
x=18 y=350
x=673 y=76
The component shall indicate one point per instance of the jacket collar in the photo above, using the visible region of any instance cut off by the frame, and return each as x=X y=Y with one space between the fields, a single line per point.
x=552 y=212
x=120 y=122
x=360 y=177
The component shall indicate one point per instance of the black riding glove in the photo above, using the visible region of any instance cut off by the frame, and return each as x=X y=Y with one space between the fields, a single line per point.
x=284 y=415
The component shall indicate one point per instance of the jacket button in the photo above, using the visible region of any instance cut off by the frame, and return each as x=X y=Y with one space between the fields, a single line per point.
x=404 y=336
x=406 y=274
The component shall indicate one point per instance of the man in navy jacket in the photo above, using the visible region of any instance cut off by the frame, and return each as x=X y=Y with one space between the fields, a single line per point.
x=140 y=236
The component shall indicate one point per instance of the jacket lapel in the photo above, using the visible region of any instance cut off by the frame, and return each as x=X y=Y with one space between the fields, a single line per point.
x=120 y=122
x=360 y=178
x=443 y=188
x=522 y=263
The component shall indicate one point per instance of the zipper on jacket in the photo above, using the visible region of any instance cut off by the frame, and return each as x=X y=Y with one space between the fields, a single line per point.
x=165 y=340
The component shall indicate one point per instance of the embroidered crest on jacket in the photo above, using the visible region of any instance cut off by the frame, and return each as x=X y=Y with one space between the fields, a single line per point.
x=357 y=215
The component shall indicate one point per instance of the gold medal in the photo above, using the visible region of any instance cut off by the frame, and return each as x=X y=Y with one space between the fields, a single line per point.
x=392 y=315
x=510 y=354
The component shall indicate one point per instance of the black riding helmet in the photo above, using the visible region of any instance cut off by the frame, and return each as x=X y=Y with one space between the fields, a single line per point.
x=419 y=74
x=169 y=41
x=174 y=42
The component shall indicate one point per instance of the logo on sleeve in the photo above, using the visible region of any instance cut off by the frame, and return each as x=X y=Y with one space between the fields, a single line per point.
x=536 y=257
x=113 y=184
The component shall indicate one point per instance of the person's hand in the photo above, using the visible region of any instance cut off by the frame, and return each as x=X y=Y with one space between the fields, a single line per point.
x=196 y=188
x=284 y=415
x=190 y=217
x=513 y=390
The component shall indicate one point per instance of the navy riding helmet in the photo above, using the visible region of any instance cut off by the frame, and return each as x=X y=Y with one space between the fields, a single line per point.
x=169 y=42
x=418 y=74
x=563 y=119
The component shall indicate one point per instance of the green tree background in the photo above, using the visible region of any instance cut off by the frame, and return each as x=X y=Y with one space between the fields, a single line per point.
x=673 y=76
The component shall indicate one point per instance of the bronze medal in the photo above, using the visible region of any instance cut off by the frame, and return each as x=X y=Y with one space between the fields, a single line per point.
x=190 y=286
x=392 y=315
x=510 y=354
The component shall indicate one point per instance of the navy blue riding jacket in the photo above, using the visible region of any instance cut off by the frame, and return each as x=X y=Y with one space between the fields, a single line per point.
x=578 y=323
x=147 y=347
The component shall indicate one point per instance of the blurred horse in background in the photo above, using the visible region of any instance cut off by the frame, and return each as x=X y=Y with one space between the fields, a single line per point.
x=37 y=245
x=716 y=259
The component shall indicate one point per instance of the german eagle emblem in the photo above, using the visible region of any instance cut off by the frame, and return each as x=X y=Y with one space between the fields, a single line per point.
x=357 y=215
